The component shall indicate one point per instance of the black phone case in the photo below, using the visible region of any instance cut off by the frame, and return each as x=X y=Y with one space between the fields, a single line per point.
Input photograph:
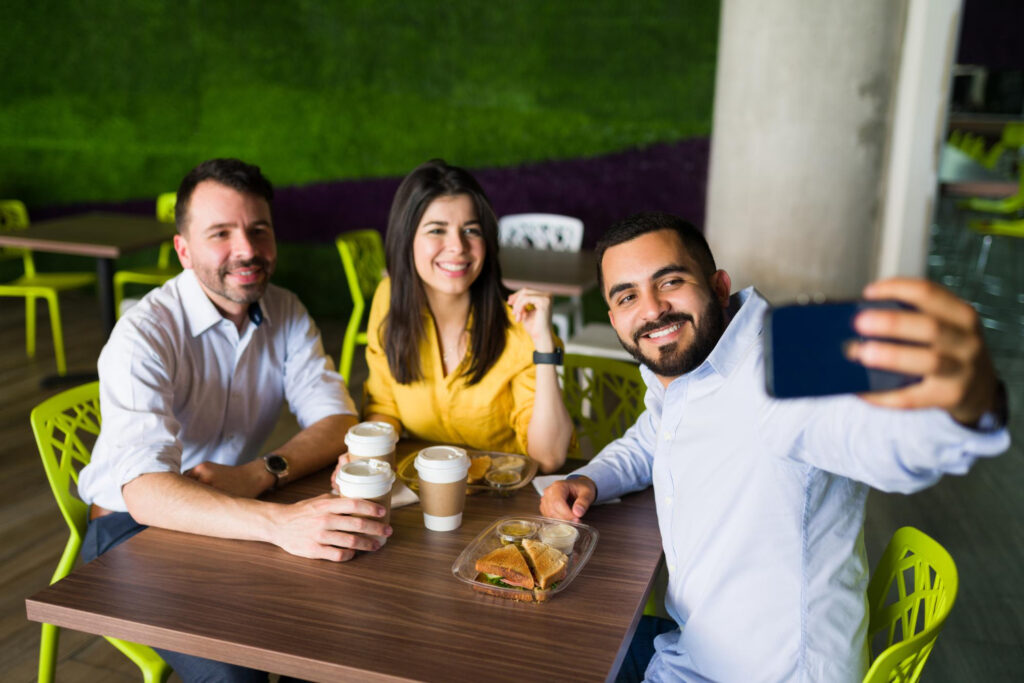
x=804 y=351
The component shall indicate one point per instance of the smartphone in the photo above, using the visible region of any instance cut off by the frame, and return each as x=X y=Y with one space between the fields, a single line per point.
x=805 y=351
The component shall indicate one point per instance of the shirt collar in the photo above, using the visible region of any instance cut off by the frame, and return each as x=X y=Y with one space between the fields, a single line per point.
x=746 y=320
x=200 y=311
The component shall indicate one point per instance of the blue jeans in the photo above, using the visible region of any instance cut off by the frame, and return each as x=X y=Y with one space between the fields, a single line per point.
x=641 y=648
x=110 y=530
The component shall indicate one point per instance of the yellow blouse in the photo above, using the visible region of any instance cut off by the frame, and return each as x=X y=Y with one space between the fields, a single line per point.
x=493 y=414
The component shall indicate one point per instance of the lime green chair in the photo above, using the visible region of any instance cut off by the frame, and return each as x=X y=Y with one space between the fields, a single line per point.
x=909 y=597
x=165 y=267
x=604 y=397
x=362 y=256
x=65 y=427
x=33 y=285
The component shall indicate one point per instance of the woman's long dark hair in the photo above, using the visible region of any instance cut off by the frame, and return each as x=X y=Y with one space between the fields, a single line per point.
x=403 y=330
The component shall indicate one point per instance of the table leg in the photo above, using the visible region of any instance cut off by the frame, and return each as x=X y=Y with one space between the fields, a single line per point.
x=105 y=281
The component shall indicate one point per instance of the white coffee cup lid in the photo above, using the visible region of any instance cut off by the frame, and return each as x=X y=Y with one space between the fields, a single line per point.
x=371 y=431
x=442 y=458
x=365 y=472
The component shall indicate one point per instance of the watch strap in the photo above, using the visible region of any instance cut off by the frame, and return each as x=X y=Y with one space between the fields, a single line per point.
x=553 y=358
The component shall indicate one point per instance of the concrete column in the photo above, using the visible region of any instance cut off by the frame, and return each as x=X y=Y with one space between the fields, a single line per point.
x=803 y=104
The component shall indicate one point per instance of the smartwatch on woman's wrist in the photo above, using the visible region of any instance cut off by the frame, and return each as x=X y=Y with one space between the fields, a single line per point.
x=553 y=358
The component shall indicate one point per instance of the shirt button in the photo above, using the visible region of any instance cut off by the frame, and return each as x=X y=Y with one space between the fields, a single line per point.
x=668 y=500
x=668 y=436
x=671 y=567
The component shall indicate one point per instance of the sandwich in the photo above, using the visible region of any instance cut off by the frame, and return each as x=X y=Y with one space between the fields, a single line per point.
x=531 y=571
x=548 y=564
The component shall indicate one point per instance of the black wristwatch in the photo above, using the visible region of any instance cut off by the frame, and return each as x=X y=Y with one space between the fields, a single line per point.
x=553 y=358
x=276 y=465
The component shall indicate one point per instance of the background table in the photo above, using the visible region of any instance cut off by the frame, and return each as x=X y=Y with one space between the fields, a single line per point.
x=103 y=236
x=563 y=273
x=961 y=175
x=397 y=613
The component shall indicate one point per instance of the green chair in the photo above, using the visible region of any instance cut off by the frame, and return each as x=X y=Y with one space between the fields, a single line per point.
x=362 y=256
x=909 y=597
x=165 y=267
x=604 y=397
x=65 y=427
x=33 y=285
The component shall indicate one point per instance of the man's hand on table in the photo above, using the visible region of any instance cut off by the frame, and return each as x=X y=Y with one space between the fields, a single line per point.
x=246 y=481
x=568 y=499
x=325 y=527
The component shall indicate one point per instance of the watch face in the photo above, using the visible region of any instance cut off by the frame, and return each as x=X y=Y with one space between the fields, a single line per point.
x=277 y=464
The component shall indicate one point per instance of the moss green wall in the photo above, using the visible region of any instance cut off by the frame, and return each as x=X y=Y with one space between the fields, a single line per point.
x=117 y=99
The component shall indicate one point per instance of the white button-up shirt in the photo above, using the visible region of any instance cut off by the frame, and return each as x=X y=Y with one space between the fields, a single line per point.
x=179 y=385
x=761 y=507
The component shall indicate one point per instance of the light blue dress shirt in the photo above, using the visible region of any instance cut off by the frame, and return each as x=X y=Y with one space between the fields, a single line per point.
x=761 y=507
x=180 y=385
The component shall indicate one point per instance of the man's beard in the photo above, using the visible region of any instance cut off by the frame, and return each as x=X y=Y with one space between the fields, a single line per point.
x=672 y=360
x=242 y=294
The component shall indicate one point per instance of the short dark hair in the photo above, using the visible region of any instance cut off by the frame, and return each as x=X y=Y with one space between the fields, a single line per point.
x=403 y=327
x=652 y=221
x=234 y=173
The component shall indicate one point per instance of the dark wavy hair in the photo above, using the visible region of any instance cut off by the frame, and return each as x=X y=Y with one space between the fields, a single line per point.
x=652 y=221
x=402 y=330
x=234 y=173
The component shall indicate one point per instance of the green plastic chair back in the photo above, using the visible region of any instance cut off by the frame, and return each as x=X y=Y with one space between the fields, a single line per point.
x=33 y=285
x=604 y=397
x=165 y=267
x=65 y=427
x=909 y=597
x=362 y=256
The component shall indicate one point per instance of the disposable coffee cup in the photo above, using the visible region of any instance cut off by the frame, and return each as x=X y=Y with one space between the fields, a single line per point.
x=372 y=441
x=370 y=480
x=442 y=473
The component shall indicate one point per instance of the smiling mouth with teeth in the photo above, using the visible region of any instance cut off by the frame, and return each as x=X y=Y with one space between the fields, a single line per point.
x=662 y=332
x=452 y=268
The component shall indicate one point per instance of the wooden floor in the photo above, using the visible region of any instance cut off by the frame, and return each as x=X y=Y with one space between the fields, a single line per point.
x=979 y=517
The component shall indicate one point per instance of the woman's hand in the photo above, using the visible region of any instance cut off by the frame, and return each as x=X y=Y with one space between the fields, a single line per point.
x=532 y=308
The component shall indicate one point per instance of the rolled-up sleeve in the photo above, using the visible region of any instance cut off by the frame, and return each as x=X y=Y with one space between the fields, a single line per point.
x=136 y=399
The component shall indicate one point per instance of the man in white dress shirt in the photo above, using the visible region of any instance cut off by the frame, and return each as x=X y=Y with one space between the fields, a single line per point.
x=192 y=381
x=760 y=501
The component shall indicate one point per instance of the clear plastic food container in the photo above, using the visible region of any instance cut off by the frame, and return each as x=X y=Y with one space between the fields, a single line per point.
x=464 y=567
x=505 y=473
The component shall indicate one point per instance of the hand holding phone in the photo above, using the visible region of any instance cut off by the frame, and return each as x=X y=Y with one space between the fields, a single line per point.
x=806 y=351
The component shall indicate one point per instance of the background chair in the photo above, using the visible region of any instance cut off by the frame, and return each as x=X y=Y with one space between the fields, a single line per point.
x=33 y=285
x=165 y=267
x=598 y=339
x=909 y=597
x=362 y=256
x=605 y=397
x=65 y=427
x=554 y=232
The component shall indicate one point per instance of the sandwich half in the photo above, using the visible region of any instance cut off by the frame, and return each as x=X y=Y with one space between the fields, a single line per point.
x=549 y=564
x=507 y=565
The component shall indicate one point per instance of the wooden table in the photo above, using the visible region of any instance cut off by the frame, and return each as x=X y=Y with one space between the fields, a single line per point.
x=563 y=273
x=390 y=615
x=103 y=236
x=961 y=175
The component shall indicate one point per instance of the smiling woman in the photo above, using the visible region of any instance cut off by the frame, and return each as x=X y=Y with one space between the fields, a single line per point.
x=451 y=355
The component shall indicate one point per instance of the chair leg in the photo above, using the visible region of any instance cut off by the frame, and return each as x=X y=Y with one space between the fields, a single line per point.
x=48 y=643
x=58 y=334
x=30 y=326
x=118 y=295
